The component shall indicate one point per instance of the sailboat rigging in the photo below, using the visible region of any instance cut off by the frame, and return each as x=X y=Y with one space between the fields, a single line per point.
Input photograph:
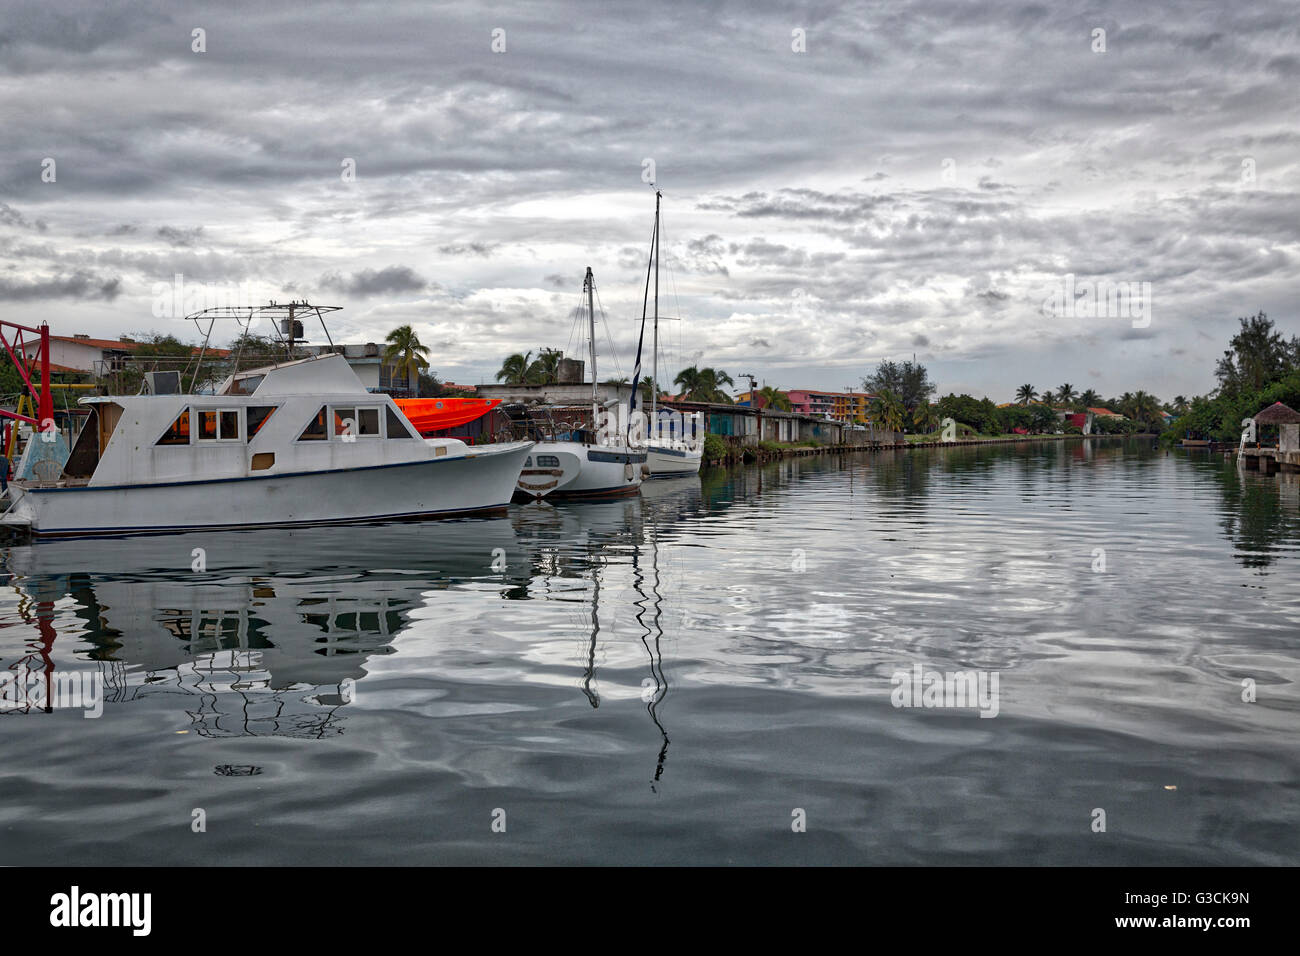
x=681 y=453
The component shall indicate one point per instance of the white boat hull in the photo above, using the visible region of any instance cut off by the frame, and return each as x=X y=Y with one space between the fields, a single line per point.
x=565 y=469
x=481 y=481
x=668 y=462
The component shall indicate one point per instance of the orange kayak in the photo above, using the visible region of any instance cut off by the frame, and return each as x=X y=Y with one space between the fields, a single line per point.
x=435 y=414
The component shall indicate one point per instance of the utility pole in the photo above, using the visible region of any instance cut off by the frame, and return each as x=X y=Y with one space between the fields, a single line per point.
x=753 y=401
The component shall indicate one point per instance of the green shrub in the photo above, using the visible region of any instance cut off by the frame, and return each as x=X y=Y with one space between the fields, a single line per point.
x=714 y=448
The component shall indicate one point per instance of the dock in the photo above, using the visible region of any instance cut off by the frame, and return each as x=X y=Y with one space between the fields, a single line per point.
x=1269 y=460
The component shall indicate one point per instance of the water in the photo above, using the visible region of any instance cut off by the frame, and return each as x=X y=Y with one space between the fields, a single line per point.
x=657 y=680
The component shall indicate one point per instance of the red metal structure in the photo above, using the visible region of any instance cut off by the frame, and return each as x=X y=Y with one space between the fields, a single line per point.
x=11 y=337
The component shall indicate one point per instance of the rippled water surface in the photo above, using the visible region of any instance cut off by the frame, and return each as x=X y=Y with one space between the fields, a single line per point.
x=682 y=678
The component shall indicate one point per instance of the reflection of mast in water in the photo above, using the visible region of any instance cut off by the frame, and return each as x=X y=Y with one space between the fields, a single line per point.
x=652 y=633
x=590 y=673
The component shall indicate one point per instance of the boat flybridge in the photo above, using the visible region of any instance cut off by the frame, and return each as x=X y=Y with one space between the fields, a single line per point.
x=301 y=442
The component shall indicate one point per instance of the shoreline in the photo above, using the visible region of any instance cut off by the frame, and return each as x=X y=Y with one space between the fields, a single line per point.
x=754 y=454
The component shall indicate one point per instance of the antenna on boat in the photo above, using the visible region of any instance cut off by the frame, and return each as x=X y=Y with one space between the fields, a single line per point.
x=285 y=318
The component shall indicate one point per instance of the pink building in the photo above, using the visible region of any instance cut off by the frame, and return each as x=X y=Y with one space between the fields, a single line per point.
x=839 y=406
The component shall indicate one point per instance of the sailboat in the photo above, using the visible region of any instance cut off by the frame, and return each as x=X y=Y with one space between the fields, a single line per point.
x=679 y=452
x=583 y=463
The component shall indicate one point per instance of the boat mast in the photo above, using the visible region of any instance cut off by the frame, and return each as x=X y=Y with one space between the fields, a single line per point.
x=590 y=283
x=654 y=355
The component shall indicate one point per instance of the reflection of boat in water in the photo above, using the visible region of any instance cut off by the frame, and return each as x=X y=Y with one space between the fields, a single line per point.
x=270 y=629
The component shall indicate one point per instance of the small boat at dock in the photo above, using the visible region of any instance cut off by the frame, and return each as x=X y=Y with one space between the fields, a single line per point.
x=582 y=461
x=435 y=414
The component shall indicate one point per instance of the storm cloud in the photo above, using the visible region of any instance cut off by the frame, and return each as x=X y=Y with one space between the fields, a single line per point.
x=909 y=178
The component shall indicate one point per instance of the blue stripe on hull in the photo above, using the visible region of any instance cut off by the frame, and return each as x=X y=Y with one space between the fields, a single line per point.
x=250 y=526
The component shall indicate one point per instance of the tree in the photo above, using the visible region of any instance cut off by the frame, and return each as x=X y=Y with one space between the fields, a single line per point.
x=909 y=381
x=1025 y=394
x=1047 y=398
x=158 y=352
x=923 y=417
x=1178 y=406
x=888 y=410
x=1066 y=394
x=1142 y=408
x=249 y=350
x=545 y=368
x=1257 y=356
x=1043 y=419
x=703 y=385
x=1090 y=398
x=981 y=415
x=771 y=397
x=405 y=353
x=430 y=385
x=514 y=370
x=644 y=390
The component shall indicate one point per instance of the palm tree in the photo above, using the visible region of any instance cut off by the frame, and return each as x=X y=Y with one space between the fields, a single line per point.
x=1140 y=407
x=514 y=370
x=1066 y=394
x=405 y=353
x=545 y=368
x=924 y=418
x=1179 y=405
x=887 y=409
x=771 y=397
x=1025 y=394
x=1047 y=398
x=1089 y=398
x=703 y=385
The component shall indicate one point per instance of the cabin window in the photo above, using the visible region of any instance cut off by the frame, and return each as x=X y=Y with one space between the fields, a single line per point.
x=229 y=430
x=548 y=461
x=345 y=422
x=315 y=430
x=208 y=426
x=350 y=423
x=528 y=462
x=258 y=415
x=219 y=424
x=179 y=432
x=396 y=427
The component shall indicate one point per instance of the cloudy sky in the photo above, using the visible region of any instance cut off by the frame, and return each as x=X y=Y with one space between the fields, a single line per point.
x=842 y=183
